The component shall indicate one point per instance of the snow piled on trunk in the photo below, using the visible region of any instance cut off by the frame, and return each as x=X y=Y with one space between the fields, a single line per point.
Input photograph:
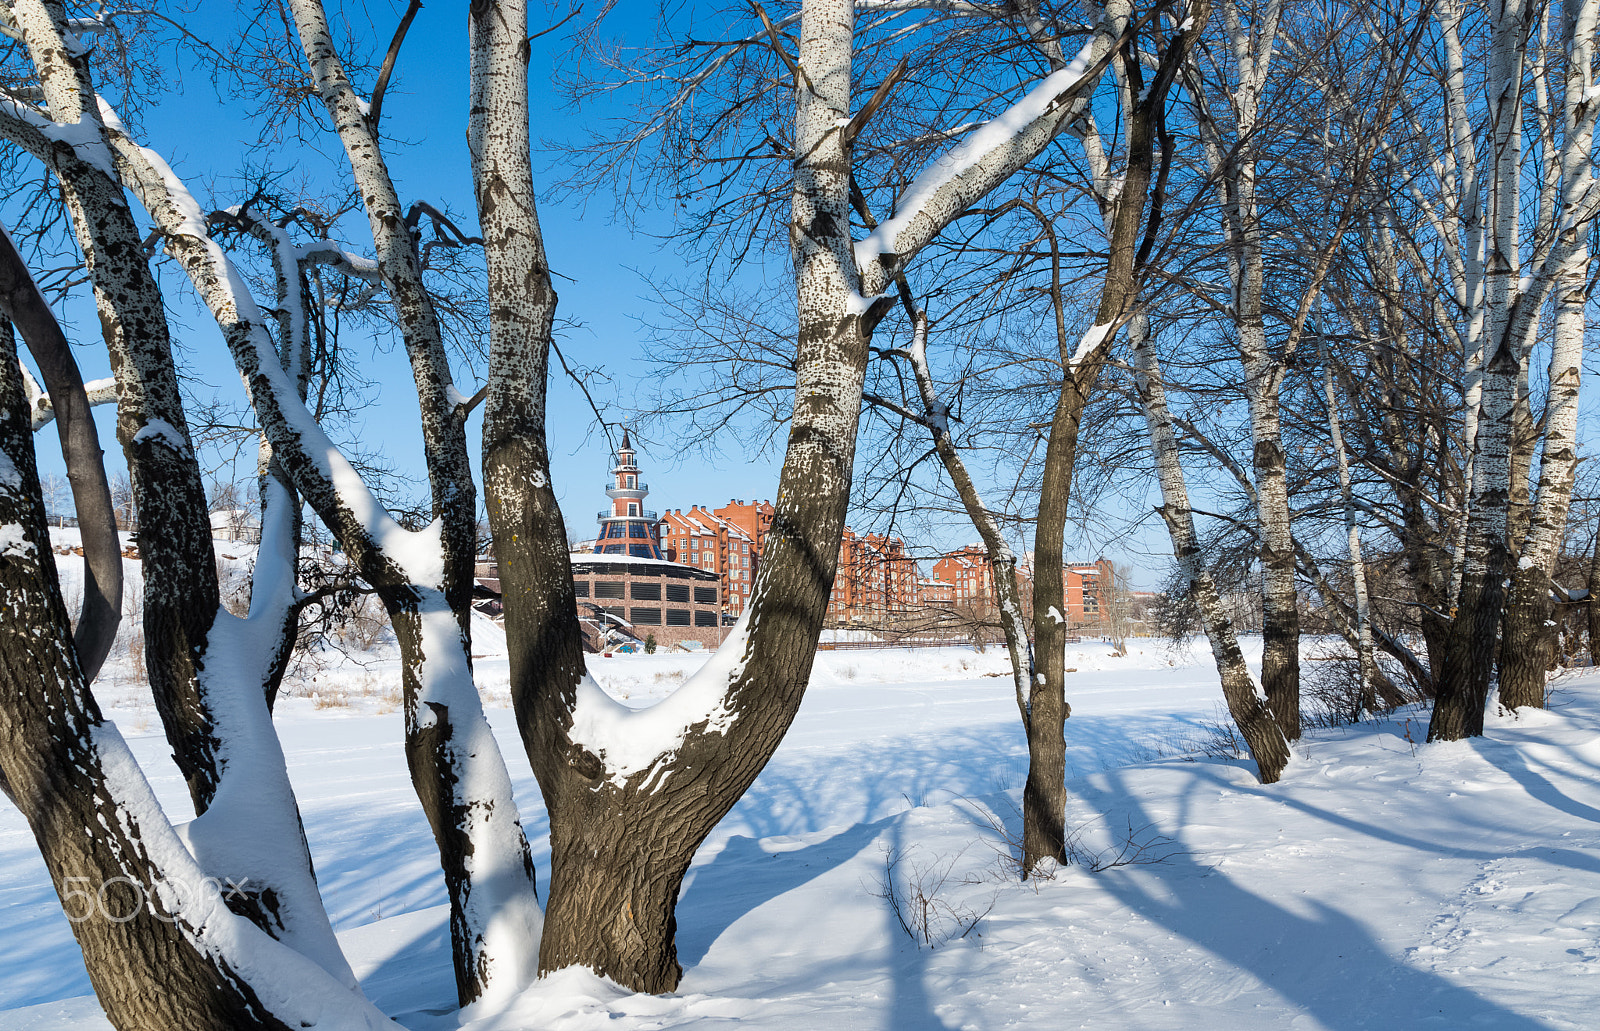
x=1383 y=883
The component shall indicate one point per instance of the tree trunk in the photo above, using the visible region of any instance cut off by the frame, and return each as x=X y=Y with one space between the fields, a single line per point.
x=1475 y=632
x=1246 y=703
x=1365 y=661
x=101 y=611
x=1280 y=602
x=161 y=949
x=1529 y=642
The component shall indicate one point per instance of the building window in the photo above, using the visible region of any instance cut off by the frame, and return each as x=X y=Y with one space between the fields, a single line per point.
x=581 y=588
x=638 y=530
x=633 y=508
x=633 y=481
x=646 y=591
x=615 y=530
x=608 y=589
x=677 y=617
x=705 y=595
x=705 y=618
x=677 y=592
x=645 y=617
x=641 y=551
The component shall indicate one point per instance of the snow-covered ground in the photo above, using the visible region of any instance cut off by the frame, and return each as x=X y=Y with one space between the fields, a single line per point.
x=1382 y=884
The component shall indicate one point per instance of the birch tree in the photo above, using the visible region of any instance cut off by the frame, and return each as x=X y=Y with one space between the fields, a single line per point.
x=456 y=765
x=1503 y=273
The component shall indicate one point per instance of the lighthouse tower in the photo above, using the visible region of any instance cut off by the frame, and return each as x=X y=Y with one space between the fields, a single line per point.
x=627 y=529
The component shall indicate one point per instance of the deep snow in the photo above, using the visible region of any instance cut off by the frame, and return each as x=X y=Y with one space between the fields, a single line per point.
x=1381 y=884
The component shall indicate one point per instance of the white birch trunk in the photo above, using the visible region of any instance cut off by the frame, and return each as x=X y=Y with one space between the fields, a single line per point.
x=1246 y=701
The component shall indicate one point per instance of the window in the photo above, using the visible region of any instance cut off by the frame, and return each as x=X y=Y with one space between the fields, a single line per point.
x=633 y=508
x=615 y=530
x=643 y=591
x=677 y=617
x=645 y=617
x=641 y=551
x=677 y=592
x=638 y=530
x=608 y=589
x=705 y=618
x=633 y=481
x=705 y=595
x=581 y=588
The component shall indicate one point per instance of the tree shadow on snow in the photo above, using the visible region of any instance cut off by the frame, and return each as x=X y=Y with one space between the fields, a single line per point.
x=744 y=876
x=1516 y=765
x=1327 y=964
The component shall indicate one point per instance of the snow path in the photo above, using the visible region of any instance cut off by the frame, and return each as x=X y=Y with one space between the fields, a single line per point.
x=1380 y=885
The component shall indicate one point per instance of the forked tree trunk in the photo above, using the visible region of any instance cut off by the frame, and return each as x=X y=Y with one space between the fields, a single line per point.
x=622 y=835
x=1463 y=684
x=101 y=609
x=218 y=727
x=1044 y=793
x=1247 y=704
x=161 y=949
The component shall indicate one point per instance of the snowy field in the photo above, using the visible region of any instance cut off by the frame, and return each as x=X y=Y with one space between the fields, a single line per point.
x=1382 y=884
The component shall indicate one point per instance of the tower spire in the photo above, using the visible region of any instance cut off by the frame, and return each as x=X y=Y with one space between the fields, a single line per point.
x=628 y=529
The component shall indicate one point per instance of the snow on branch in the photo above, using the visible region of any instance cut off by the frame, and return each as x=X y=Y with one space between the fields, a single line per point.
x=989 y=155
x=419 y=554
x=630 y=742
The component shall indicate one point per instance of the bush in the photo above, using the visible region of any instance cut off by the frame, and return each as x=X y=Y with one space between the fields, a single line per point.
x=650 y=644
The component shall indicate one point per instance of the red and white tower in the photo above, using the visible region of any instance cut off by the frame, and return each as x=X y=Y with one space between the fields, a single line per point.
x=628 y=529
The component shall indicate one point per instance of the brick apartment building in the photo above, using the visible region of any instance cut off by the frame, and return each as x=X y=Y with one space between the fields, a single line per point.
x=876 y=580
x=967 y=579
x=708 y=542
x=969 y=576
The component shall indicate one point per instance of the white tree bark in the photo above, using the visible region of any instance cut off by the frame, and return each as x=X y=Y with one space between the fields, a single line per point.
x=1246 y=701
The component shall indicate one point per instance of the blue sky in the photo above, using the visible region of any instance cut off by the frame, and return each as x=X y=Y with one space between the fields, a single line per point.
x=605 y=267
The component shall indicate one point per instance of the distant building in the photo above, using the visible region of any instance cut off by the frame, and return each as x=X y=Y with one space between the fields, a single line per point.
x=623 y=598
x=706 y=541
x=970 y=577
x=626 y=528
x=630 y=587
x=966 y=579
x=236 y=524
x=877 y=580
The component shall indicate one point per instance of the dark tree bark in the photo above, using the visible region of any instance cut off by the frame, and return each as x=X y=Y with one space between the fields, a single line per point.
x=158 y=949
x=101 y=611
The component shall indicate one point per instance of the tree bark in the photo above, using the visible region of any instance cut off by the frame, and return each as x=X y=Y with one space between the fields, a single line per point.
x=161 y=948
x=1247 y=704
x=1529 y=632
x=101 y=611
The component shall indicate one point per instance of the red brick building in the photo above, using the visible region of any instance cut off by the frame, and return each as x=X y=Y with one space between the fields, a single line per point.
x=967 y=579
x=1089 y=586
x=626 y=528
x=708 y=542
x=876 y=579
x=969 y=574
